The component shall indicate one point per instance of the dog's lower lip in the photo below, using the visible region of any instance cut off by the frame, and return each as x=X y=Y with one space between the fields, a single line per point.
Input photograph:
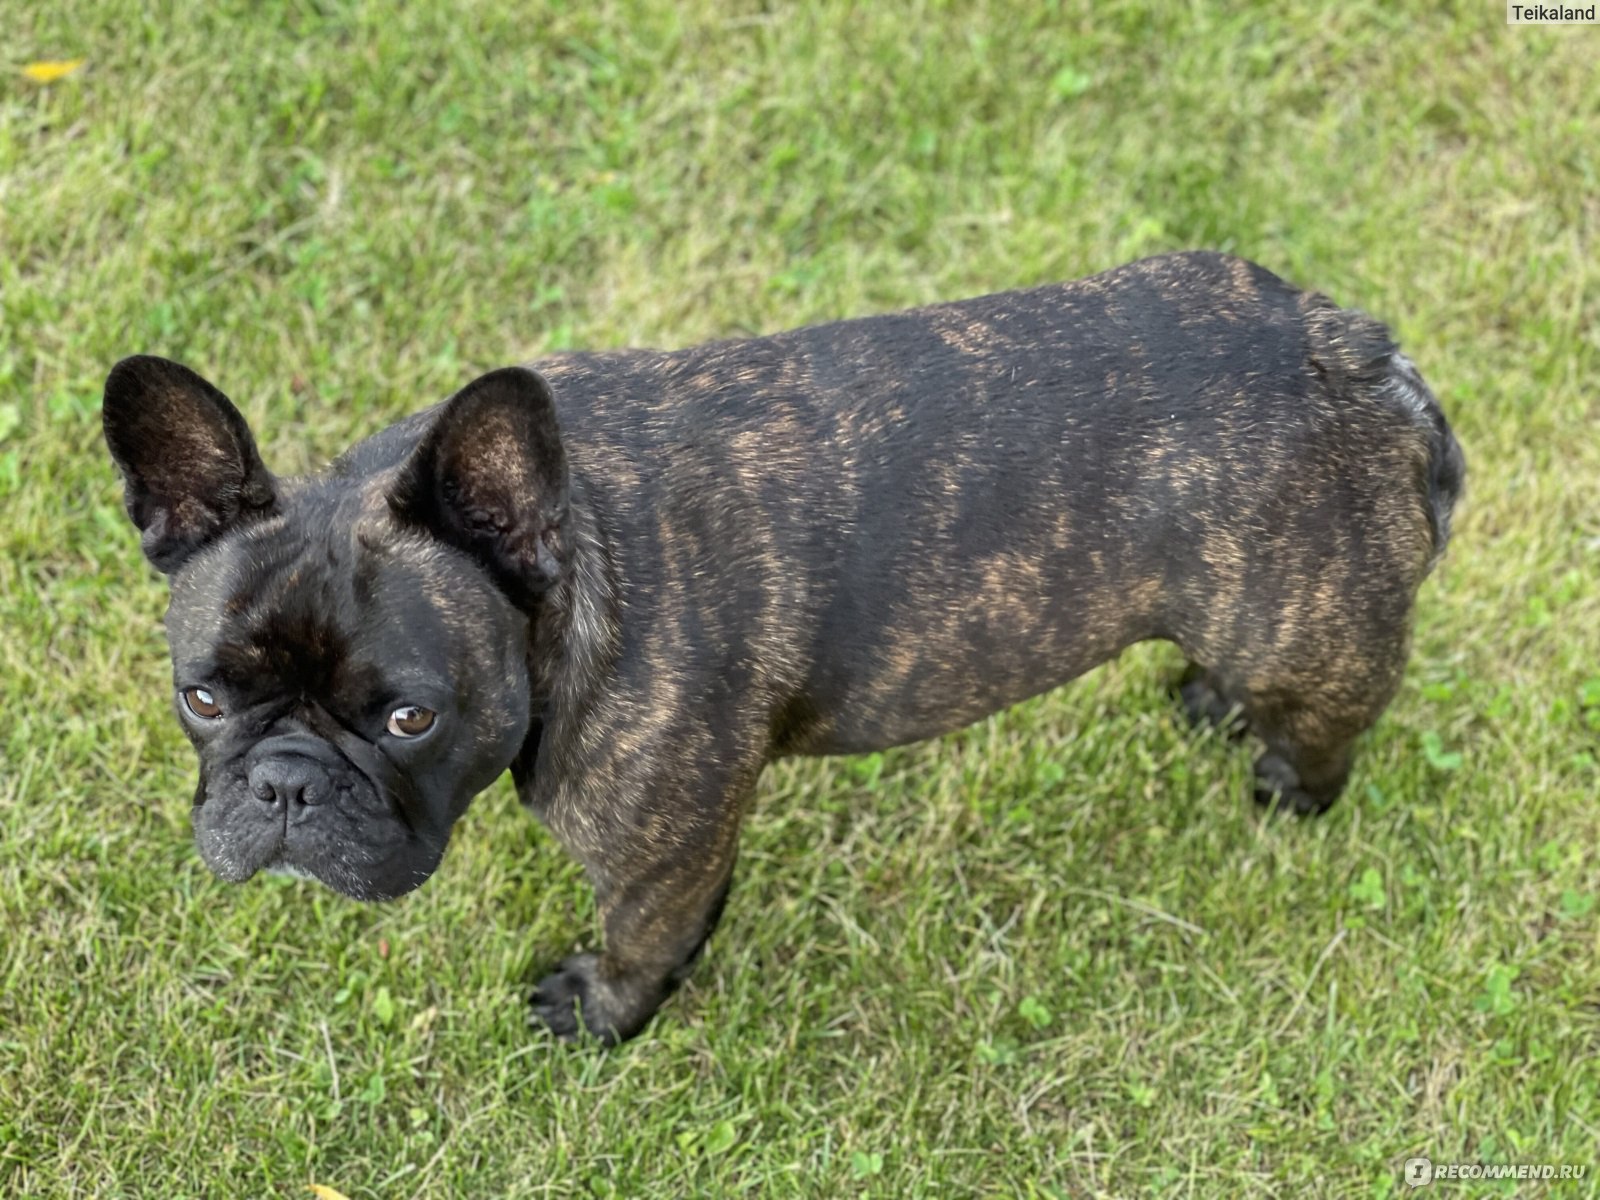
x=281 y=866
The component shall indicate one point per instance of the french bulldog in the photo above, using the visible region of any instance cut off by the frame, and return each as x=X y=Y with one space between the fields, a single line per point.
x=635 y=577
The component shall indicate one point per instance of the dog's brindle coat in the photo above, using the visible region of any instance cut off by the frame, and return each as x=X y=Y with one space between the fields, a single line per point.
x=851 y=536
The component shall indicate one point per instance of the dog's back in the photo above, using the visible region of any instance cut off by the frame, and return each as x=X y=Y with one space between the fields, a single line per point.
x=926 y=516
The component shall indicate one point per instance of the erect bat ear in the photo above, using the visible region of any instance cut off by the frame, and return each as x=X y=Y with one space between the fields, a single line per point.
x=490 y=478
x=189 y=465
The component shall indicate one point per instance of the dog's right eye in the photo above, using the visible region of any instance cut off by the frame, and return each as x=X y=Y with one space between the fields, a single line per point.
x=410 y=721
x=200 y=702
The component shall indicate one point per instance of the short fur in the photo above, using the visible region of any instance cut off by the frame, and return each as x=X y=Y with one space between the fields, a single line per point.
x=636 y=577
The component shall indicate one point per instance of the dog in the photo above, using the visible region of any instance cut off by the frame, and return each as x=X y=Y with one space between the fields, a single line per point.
x=635 y=577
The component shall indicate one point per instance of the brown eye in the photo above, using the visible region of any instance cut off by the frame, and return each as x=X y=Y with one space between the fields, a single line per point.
x=199 y=702
x=410 y=721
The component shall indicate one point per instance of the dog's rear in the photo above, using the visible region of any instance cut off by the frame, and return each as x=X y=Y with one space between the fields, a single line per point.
x=1317 y=664
x=1446 y=464
x=1186 y=448
x=1359 y=358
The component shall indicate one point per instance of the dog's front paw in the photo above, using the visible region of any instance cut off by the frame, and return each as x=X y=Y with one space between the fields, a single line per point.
x=582 y=997
x=566 y=1001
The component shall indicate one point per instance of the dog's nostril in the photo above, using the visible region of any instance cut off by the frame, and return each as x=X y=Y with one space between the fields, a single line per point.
x=261 y=789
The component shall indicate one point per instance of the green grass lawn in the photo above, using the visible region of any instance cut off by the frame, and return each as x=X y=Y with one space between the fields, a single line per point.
x=1058 y=954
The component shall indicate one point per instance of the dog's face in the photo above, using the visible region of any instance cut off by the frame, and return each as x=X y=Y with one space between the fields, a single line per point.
x=349 y=650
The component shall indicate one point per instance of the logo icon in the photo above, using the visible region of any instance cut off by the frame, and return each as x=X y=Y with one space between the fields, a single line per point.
x=1419 y=1172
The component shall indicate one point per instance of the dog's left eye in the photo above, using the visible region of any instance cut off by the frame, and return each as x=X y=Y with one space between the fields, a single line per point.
x=410 y=721
x=201 y=703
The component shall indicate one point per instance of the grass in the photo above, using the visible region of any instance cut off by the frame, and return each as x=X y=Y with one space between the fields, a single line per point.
x=1057 y=954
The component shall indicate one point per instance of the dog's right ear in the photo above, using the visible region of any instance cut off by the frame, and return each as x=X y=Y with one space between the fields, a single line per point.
x=490 y=478
x=188 y=462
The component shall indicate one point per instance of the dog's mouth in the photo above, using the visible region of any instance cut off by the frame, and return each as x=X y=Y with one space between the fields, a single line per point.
x=294 y=806
x=281 y=866
x=364 y=860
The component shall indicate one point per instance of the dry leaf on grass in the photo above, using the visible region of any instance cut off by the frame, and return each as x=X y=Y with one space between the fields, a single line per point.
x=52 y=70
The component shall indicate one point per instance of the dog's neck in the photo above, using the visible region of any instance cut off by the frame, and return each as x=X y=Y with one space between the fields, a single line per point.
x=573 y=635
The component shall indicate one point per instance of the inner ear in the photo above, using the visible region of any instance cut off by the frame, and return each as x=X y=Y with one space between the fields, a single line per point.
x=490 y=478
x=189 y=465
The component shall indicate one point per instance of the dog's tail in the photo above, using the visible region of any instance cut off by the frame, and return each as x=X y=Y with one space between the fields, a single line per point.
x=1447 y=466
x=1358 y=356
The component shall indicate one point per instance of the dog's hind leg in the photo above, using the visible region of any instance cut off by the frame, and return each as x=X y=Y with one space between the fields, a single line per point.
x=1301 y=772
x=1307 y=689
x=1310 y=718
x=1199 y=693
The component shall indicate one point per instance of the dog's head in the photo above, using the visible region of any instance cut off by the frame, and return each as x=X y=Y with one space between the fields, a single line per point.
x=349 y=649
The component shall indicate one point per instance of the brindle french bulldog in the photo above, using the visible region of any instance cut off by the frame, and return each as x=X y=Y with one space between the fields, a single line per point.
x=635 y=577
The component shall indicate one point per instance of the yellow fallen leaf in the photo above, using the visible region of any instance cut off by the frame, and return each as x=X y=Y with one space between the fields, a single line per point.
x=49 y=72
x=324 y=1192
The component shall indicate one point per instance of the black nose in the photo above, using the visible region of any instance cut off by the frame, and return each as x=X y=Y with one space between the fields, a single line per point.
x=288 y=781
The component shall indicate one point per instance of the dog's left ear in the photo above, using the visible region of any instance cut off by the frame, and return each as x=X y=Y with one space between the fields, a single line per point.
x=188 y=462
x=490 y=478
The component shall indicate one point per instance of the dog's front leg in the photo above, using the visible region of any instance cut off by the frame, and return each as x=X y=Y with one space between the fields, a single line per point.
x=661 y=875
